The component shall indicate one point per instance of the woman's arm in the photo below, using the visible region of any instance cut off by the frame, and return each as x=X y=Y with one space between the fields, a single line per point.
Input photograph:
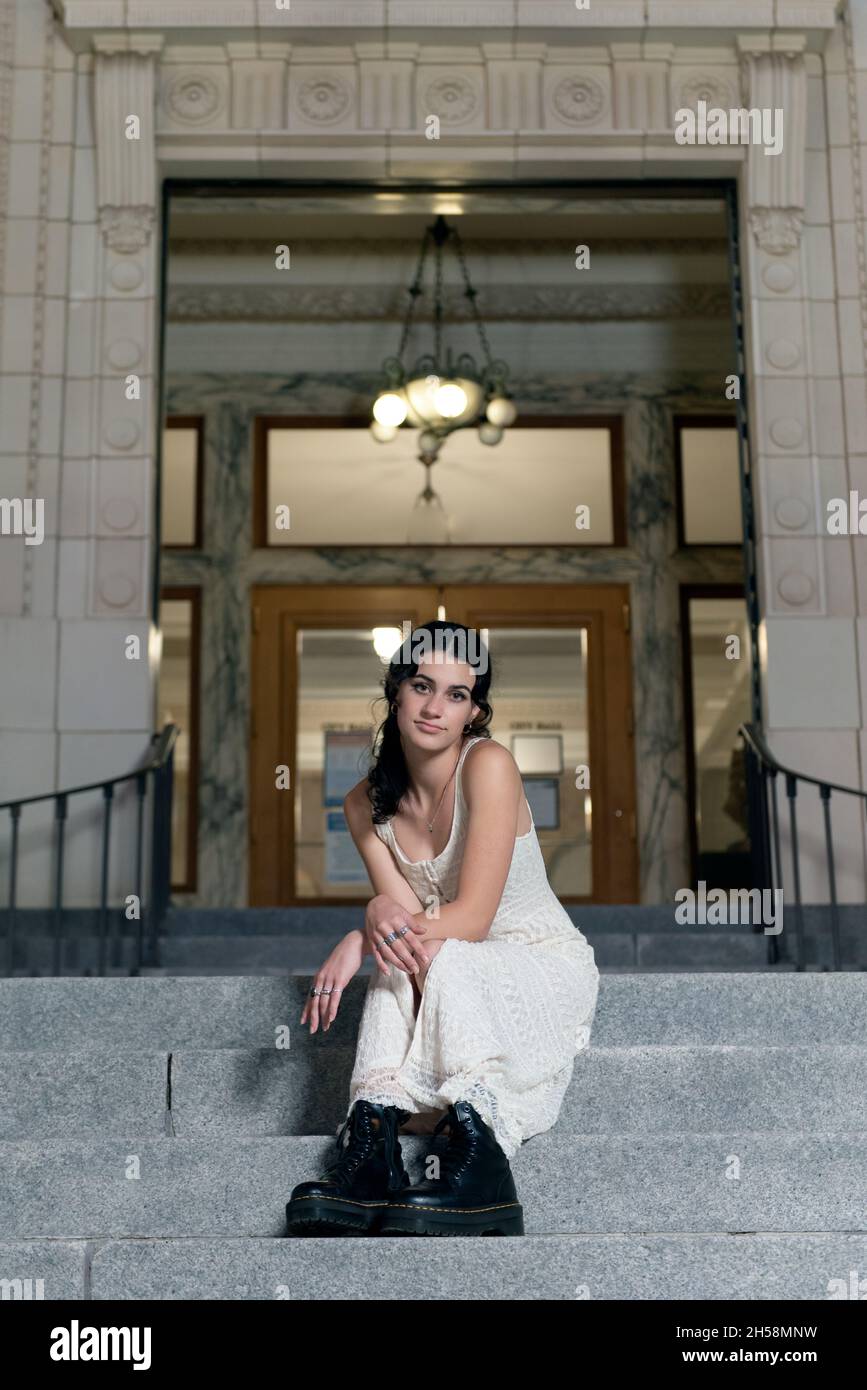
x=493 y=791
x=395 y=902
x=382 y=871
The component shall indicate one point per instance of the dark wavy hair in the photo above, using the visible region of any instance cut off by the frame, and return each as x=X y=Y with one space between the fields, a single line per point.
x=388 y=777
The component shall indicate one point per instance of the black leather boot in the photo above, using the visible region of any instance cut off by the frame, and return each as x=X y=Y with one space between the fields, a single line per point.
x=475 y=1193
x=365 y=1168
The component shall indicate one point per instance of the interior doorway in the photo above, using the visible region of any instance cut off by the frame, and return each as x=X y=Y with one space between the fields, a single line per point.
x=562 y=702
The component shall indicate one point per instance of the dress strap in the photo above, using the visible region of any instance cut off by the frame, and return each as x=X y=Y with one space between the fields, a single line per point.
x=464 y=751
x=384 y=831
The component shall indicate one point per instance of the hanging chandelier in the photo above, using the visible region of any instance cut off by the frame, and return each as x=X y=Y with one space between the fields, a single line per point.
x=441 y=393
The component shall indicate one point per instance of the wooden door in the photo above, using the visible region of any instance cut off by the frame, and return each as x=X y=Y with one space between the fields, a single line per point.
x=286 y=858
x=280 y=619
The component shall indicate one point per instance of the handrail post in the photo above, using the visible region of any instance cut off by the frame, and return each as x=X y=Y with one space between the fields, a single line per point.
x=161 y=852
x=791 y=793
x=776 y=945
x=60 y=822
x=141 y=791
x=756 y=812
x=107 y=794
x=15 y=812
x=825 y=794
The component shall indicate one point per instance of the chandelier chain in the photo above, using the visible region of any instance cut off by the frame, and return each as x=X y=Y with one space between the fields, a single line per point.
x=471 y=296
x=414 y=292
x=438 y=309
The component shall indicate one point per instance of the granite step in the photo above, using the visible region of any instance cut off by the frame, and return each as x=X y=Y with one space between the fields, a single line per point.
x=226 y=954
x=270 y=1091
x=726 y=1181
x=643 y=1267
x=239 y=940
x=161 y=1014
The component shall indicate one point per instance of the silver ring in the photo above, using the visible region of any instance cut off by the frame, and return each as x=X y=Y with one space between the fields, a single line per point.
x=403 y=931
x=387 y=940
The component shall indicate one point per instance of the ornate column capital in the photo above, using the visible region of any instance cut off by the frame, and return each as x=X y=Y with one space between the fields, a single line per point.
x=774 y=81
x=125 y=68
x=144 y=44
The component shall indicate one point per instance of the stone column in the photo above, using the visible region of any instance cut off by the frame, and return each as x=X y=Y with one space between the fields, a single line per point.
x=800 y=439
x=78 y=406
x=846 y=98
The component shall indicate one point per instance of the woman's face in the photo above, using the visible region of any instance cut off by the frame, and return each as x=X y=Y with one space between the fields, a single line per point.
x=434 y=705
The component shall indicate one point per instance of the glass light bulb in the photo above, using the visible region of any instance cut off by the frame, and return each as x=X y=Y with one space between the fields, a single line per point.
x=383 y=434
x=386 y=641
x=450 y=400
x=502 y=411
x=490 y=434
x=389 y=408
x=429 y=523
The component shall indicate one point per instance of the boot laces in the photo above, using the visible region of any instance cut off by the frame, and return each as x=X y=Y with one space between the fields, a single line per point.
x=353 y=1146
x=461 y=1147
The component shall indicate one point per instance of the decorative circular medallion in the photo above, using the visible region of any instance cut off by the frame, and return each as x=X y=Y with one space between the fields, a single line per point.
x=126 y=275
x=120 y=513
x=121 y=434
x=787 y=432
x=123 y=353
x=192 y=96
x=117 y=590
x=791 y=513
x=782 y=353
x=778 y=276
x=324 y=97
x=579 y=99
x=706 y=87
x=795 y=587
x=453 y=99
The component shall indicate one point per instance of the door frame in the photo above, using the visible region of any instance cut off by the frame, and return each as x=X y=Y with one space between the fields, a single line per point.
x=273 y=713
x=604 y=610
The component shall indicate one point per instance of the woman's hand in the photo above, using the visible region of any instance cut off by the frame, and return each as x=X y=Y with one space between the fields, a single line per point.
x=334 y=975
x=384 y=916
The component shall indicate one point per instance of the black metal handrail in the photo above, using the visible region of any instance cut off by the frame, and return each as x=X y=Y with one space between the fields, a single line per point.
x=762 y=770
x=153 y=904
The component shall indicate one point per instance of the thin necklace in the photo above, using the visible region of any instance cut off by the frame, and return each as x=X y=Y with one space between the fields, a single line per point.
x=430 y=823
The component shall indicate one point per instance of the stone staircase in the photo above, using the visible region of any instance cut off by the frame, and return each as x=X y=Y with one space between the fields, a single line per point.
x=295 y=940
x=713 y=1144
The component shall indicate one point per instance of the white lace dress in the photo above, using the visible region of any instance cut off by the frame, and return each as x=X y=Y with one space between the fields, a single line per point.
x=501 y=1020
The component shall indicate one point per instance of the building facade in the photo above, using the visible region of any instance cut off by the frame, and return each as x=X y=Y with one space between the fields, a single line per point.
x=105 y=105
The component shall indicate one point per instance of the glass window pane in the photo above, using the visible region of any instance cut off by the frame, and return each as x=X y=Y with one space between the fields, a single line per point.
x=339 y=678
x=179 y=483
x=721 y=703
x=539 y=698
x=540 y=715
x=524 y=491
x=710 y=474
x=175 y=703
